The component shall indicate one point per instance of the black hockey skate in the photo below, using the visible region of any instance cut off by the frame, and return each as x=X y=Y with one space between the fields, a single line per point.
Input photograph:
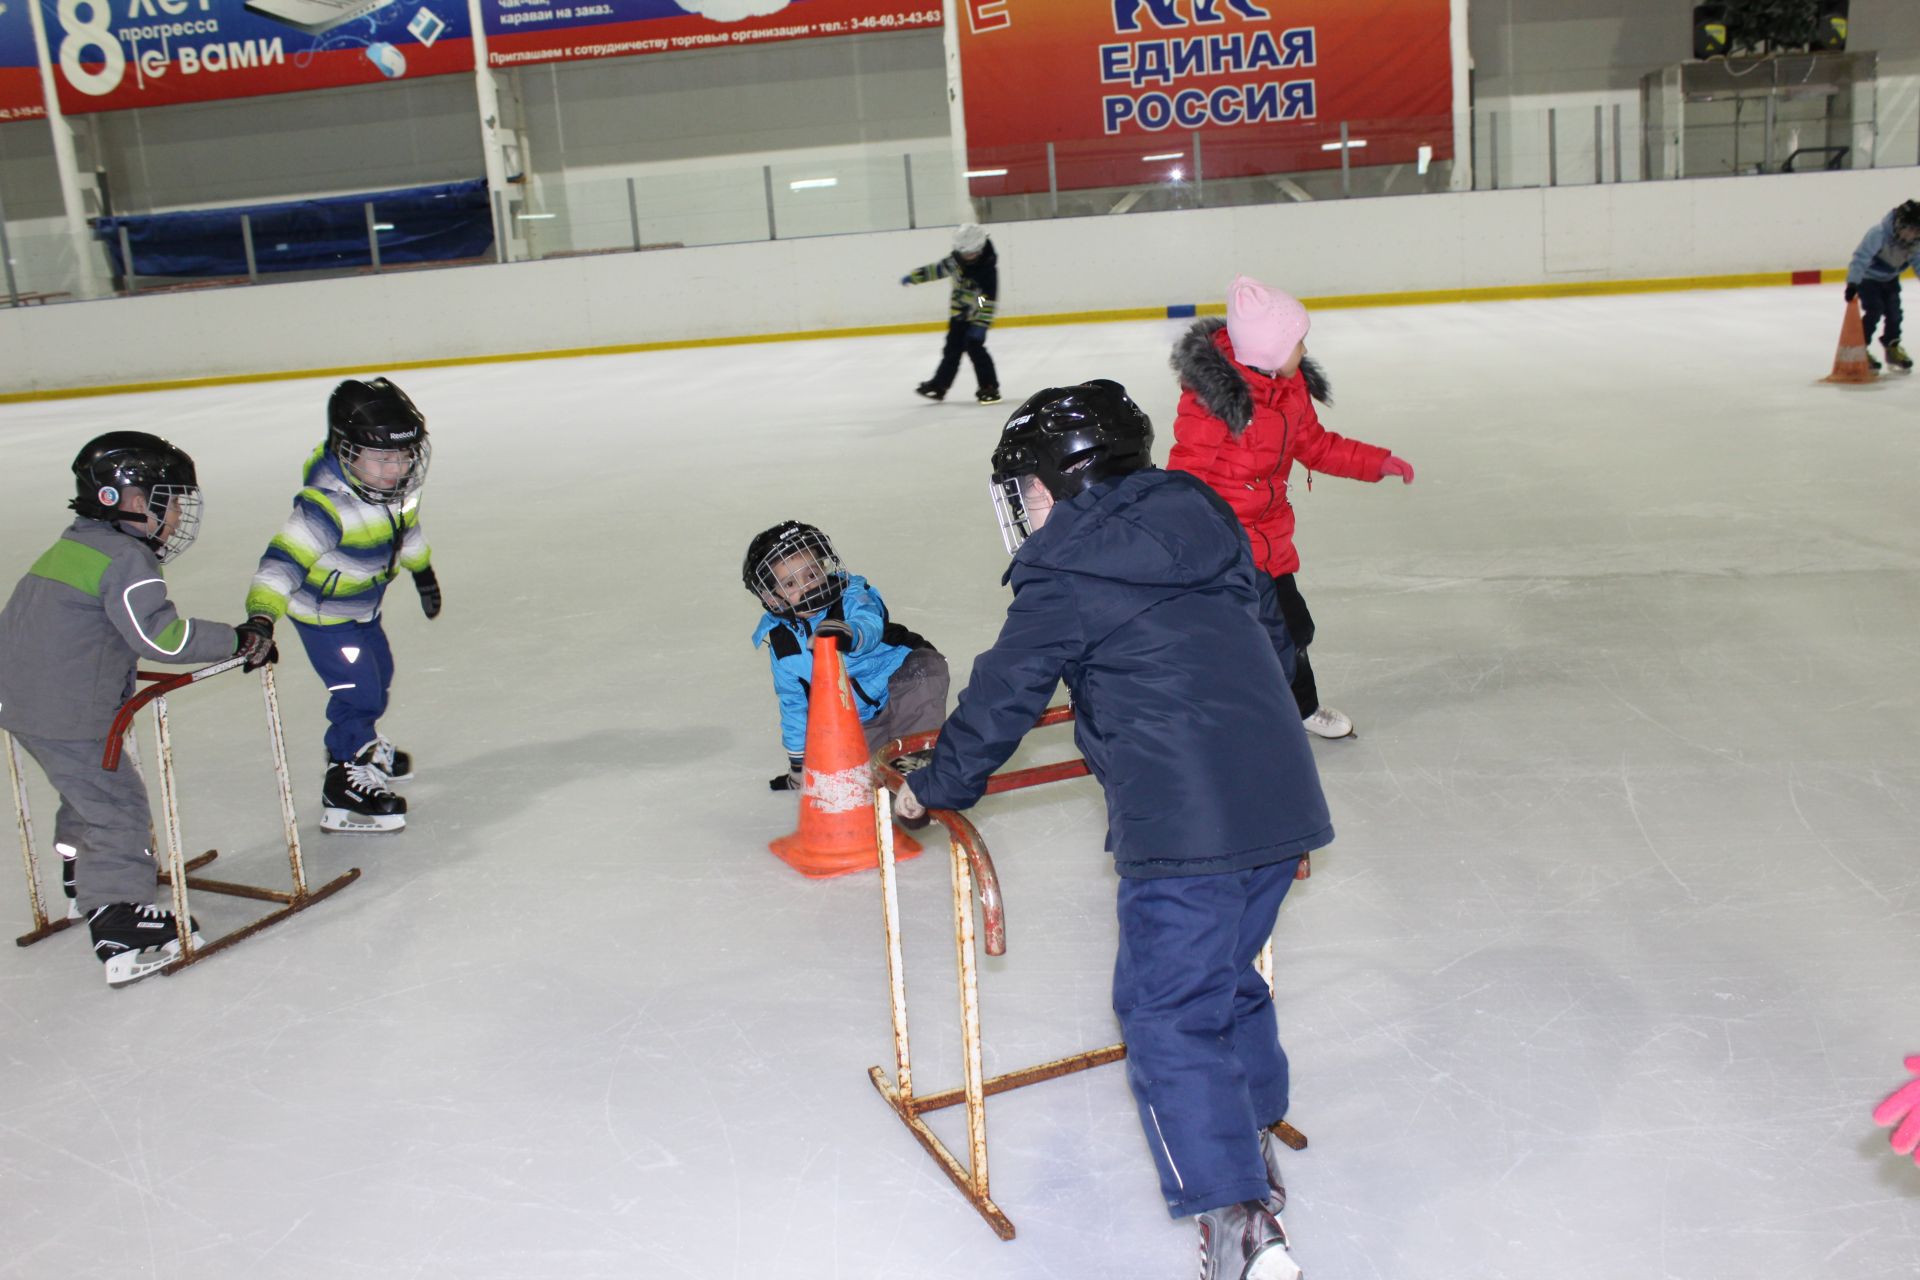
x=988 y=395
x=66 y=882
x=930 y=391
x=134 y=942
x=392 y=761
x=356 y=797
x=1897 y=356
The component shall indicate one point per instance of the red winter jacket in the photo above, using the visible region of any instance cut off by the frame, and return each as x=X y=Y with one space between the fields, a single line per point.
x=1241 y=432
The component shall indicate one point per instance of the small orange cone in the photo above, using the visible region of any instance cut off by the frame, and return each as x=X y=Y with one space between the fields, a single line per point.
x=836 y=834
x=1850 y=361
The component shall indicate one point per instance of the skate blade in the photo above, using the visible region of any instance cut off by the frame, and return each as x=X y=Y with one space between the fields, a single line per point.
x=129 y=967
x=1272 y=1263
x=346 y=822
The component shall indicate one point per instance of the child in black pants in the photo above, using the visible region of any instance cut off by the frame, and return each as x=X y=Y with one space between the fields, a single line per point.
x=975 y=270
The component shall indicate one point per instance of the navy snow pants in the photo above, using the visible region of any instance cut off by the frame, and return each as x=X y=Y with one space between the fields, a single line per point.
x=1203 y=1050
x=355 y=662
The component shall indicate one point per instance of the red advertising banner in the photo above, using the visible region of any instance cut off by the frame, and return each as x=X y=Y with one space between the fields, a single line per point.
x=1122 y=88
x=524 y=31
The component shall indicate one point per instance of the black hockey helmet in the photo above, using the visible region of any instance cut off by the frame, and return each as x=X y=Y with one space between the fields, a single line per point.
x=372 y=417
x=1073 y=437
x=1068 y=438
x=792 y=570
x=120 y=465
x=1906 y=217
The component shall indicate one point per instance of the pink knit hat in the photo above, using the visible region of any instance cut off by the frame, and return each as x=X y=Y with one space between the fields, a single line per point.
x=1263 y=323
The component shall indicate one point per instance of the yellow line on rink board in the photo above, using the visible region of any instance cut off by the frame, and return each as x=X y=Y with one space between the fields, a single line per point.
x=1410 y=298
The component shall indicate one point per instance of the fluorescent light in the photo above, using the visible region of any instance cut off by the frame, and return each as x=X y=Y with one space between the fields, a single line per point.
x=383 y=226
x=807 y=184
x=1174 y=173
x=1425 y=157
x=1335 y=146
x=986 y=173
x=1165 y=155
x=535 y=217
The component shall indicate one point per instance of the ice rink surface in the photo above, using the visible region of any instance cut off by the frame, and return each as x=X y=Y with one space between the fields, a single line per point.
x=1614 y=953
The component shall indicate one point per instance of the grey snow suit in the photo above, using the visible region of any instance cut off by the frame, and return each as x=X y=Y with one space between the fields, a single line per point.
x=87 y=611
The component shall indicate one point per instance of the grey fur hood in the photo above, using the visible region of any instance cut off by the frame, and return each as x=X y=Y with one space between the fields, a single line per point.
x=1221 y=384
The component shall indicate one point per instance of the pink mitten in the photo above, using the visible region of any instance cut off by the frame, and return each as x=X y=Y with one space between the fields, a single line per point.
x=1397 y=467
x=1902 y=1109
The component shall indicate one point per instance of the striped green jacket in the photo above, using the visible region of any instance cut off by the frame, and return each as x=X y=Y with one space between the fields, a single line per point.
x=332 y=560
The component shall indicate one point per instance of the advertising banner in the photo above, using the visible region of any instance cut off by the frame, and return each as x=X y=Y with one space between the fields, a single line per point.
x=524 y=31
x=20 y=97
x=1120 y=87
x=113 y=54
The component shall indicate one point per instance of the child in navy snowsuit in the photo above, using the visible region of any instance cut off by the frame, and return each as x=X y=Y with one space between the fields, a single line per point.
x=1136 y=587
x=1890 y=247
x=898 y=679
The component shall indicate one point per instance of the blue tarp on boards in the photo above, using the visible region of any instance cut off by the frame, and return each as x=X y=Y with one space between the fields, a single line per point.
x=439 y=223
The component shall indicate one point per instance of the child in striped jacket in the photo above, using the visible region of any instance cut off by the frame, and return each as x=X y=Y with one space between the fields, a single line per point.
x=354 y=526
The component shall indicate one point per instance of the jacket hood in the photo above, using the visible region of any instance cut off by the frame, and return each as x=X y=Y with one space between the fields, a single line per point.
x=1203 y=361
x=1144 y=529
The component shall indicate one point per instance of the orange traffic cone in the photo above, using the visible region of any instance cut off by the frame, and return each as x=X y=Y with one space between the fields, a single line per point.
x=836 y=834
x=1850 y=361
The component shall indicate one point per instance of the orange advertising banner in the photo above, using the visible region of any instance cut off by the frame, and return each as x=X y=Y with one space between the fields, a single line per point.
x=1134 y=91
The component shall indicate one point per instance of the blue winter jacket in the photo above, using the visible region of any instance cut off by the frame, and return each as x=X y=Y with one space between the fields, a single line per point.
x=879 y=646
x=1142 y=595
x=1882 y=254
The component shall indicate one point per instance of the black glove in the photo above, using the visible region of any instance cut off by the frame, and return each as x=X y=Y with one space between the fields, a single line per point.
x=429 y=588
x=839 y=630
x=1853 y=291
x=253 y=640
x=908 y=810
x=976 y=333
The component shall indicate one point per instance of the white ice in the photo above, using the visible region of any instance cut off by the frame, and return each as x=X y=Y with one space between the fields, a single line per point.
x=1612 y=957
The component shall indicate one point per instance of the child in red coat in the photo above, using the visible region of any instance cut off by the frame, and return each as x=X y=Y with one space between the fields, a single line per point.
x=1246 y=416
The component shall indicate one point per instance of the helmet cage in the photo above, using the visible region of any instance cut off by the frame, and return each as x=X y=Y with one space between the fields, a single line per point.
x=799 y=575
x=381 y=489
x=175 y=509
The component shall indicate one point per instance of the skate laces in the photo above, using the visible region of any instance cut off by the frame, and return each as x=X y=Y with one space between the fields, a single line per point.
x=367 y=778
x=383 y=753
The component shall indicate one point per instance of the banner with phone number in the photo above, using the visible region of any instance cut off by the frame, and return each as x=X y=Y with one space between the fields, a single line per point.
x=20 y=96
x=153 y=53
x=1121 y=87
x=529 y=31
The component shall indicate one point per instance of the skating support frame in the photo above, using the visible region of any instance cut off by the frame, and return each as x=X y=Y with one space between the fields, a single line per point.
x=972 y=870
x=23 y=818
x=300 y=897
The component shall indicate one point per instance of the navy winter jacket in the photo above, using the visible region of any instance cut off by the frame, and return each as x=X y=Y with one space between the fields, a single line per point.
x=1142 y=595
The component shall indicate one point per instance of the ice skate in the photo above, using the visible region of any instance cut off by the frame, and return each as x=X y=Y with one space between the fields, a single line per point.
x=391 y=760
x=66 y=881
x=1897 y=357
x=988 y=395
x=1276 y=1188
x=1328 y=723
x=134 y=942
x=1871 y=362
x=357 y=799
x=930 y=391
x=1244 y=1242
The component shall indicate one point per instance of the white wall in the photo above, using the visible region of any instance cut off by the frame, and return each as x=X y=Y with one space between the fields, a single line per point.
x=1634 y=231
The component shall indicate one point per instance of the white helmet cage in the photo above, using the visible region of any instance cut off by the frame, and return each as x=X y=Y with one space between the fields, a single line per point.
x=799 y=574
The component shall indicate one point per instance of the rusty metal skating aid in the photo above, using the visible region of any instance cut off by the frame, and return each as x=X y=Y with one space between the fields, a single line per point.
x=973 y=873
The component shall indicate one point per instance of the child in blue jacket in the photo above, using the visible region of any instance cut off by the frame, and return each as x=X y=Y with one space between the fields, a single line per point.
x=1136 y=587
x=1890 y=247
x=899 y=681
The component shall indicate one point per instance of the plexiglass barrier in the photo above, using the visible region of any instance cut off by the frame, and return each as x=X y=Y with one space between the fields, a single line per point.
x=572 y=212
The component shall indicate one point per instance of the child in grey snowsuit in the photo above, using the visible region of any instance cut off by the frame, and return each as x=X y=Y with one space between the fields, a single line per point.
x=88 y=610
